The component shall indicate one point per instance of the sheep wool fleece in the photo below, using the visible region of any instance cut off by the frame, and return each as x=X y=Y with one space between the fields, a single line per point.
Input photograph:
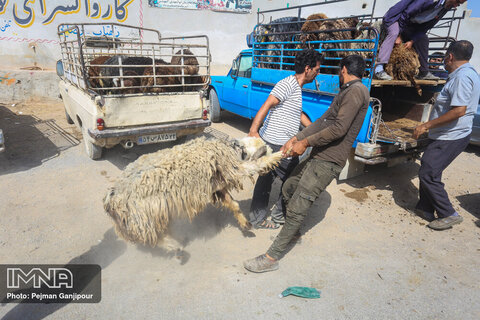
x=178 y=182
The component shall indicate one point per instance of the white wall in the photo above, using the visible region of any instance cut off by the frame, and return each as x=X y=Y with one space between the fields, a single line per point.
x=36 y=43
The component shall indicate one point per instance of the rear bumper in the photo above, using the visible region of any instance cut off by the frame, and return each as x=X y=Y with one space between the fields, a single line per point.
x=390 y=160
x=150 y=129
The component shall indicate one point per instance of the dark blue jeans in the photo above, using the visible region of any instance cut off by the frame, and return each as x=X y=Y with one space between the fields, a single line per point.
x=436 y=158
x=263 y=187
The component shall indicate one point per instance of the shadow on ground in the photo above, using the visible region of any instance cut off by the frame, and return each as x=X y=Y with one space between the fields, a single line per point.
x=315 y=215
x=29 y=141
x=206 y=225
x=212 y=221
x=381 y=177
x=239 y=123
x=471 y=203
x=103 y=254
x=473 y=149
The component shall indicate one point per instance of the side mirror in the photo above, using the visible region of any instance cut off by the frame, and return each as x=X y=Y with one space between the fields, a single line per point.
x=234 y=73
x=60 y=71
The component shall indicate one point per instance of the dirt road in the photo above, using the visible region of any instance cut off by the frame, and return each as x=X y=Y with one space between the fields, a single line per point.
x=367 y=255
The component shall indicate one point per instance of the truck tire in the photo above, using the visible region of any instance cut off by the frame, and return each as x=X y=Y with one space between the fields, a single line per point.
x=69 y=120
x=94 y=152
x=214 y=106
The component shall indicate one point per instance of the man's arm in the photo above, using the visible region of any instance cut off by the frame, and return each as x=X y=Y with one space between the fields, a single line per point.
x=444 y=119
x=305 y=120
x=349 y=108
x=313 y=127
x=461 y=93
x=271 y=102
x=309 y=129
x=417 y=6
x=424 y=27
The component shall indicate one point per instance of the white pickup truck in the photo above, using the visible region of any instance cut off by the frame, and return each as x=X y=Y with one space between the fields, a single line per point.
x=133 y=86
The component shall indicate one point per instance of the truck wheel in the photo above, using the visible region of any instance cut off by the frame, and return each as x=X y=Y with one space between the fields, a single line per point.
x=69 y=120
x=94 y=152
x=214 y=106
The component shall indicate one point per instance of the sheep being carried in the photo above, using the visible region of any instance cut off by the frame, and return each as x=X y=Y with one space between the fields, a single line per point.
x=181 y=182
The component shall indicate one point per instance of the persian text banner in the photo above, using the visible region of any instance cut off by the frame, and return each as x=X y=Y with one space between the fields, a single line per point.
x=241 y=6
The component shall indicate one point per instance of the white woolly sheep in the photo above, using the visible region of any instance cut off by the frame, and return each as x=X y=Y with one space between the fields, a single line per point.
x=181 y=182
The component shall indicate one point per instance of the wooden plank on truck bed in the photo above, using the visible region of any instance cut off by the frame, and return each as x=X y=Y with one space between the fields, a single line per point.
x=406 y=83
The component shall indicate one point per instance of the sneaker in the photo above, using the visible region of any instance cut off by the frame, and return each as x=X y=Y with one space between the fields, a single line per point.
x=445 y=223
x=427 y=76
x=260 y=264
x=382 y=75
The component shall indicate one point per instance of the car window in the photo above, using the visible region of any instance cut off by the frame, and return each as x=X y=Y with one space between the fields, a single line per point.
x=245 y=69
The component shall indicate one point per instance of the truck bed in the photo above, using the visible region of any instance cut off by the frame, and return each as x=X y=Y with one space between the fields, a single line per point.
x=395 y=128
x=406 y=83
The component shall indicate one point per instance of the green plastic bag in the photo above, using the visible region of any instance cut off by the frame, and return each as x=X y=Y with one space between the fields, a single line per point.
x=304 y=292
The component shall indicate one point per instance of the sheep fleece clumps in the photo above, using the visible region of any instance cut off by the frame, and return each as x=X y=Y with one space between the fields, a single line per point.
x=179 y=182
x=403 y=63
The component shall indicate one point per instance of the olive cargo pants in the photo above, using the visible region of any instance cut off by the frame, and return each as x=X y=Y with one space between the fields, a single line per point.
x=300 y=190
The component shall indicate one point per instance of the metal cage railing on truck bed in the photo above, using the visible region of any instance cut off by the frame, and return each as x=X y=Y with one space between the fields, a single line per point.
x=276 y=43
x=115 y=59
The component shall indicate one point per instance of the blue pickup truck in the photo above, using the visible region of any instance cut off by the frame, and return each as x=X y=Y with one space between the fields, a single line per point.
x=245 y=88
x=396 y=106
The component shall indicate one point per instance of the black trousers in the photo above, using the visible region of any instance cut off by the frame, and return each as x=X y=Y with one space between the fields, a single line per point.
x=263 y=187
x=436 y=158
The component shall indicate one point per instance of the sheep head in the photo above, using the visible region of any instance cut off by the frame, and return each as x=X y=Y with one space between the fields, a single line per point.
x=256 y=156
x=190 y=62
x=312 y=25
x=250 y=148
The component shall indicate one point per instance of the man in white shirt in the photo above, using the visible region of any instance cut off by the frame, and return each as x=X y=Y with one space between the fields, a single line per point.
x=283 y=112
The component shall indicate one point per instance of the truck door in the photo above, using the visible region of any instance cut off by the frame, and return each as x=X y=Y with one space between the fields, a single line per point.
x=237 y=85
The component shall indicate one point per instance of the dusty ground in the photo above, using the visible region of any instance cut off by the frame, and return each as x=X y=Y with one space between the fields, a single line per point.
x=367 y=255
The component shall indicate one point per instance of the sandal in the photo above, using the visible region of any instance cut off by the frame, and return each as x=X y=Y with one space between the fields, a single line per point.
x=279 y=220
x=267 y=224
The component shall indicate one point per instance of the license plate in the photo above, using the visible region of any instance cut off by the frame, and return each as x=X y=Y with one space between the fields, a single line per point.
x=154 y=138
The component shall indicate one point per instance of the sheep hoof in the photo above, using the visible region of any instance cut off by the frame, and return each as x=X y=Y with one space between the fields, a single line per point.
x=248 y=234
x=246 y=226
x=182 y=256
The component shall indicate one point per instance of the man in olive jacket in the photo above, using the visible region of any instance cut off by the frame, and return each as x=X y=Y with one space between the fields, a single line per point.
x=331 y=137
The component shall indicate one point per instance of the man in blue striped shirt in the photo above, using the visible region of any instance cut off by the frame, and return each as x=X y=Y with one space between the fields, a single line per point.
x=283 y=112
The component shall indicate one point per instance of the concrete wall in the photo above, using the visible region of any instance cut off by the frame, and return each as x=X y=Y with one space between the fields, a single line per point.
x=22 y=85
x=28 y=28
x=28 y=35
